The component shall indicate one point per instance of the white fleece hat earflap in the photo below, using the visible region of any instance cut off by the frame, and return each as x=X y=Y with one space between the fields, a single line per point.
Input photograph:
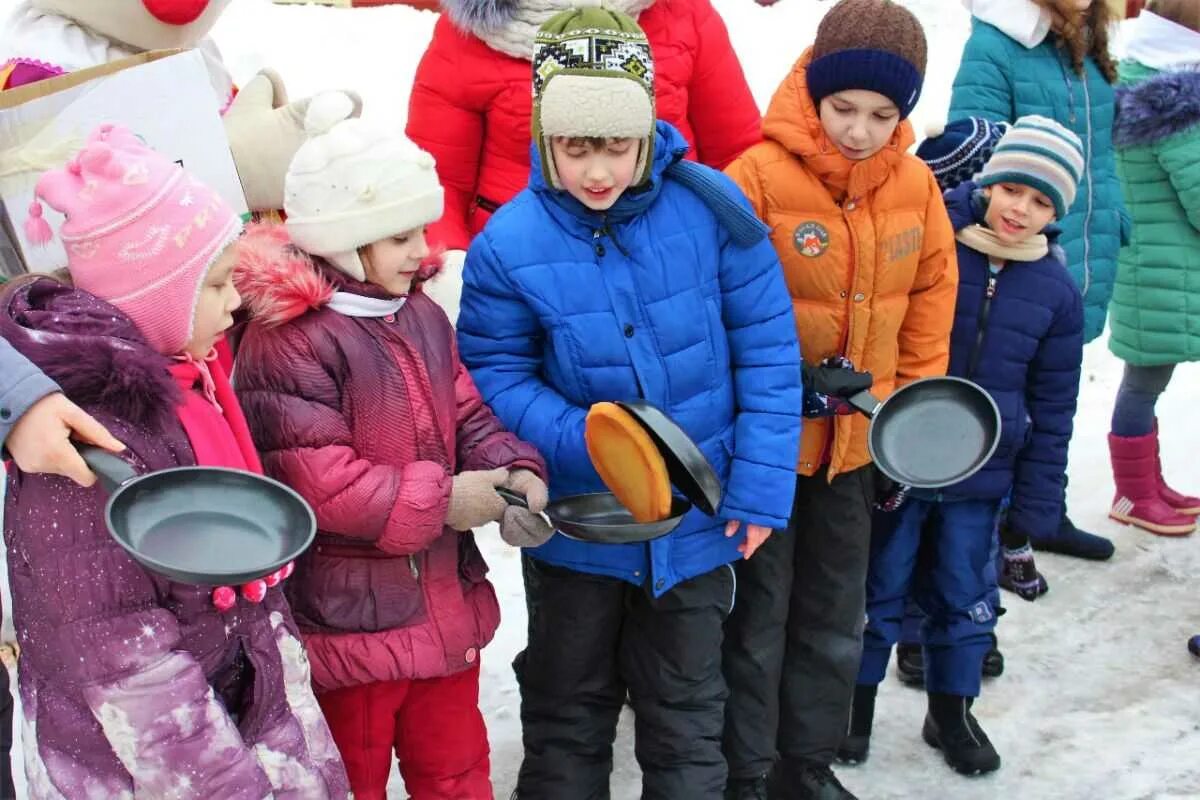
x=352 y=184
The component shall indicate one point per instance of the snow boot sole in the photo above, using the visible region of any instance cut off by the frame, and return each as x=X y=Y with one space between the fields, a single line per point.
x=1119 y=514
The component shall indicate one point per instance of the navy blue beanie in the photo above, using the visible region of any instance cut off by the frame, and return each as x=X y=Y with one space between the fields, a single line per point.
x=876 y=45
x=959 y=151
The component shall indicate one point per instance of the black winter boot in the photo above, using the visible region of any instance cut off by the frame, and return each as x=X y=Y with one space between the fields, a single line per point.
x=807 y=781
x=952 y=728
x=857 y=744
x=993 y=662
x=1071 y=541
x=910 y=665
x=746 y=788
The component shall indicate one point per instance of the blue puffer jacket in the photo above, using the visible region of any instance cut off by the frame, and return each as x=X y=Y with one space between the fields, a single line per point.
x=1001 y=79
x=563 y=307
x=1029 y=344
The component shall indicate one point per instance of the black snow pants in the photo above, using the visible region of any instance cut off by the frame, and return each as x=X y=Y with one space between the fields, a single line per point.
x=794 y=640
x=592 y=639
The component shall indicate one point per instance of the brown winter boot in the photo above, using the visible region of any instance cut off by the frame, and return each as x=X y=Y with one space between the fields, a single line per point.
x=1138 y=500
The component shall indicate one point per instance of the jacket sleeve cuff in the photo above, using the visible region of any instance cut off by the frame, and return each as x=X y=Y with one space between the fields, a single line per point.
x=19 y=397
x=419 y=514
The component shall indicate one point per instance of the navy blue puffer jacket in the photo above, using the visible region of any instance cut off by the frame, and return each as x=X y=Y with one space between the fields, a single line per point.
x=563 y=307
x=1029 y=346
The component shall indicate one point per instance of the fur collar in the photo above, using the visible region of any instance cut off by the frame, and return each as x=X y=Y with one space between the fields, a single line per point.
x=91 y=350
x=279 y=283
x=1156 y=108
x=509 y=26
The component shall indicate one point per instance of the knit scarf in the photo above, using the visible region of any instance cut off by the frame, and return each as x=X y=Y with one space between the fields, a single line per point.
x=211 y=416
x=984 y=240
x=514 y=36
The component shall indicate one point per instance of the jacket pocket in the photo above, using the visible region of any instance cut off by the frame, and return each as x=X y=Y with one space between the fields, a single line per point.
x=717 y=337
x=357 y=594
x=563 y=362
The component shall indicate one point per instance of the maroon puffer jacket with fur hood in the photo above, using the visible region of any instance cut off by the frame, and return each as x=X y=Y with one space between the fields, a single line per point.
x=369 y=419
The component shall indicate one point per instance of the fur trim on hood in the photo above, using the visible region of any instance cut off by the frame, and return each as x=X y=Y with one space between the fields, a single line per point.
x=1156 y=108
x=91 y=350
x=509 y=26
x=279 y=282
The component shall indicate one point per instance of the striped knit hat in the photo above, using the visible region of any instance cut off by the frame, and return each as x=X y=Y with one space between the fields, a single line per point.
x=1039 y=152
x=593 y=76
x=958 y=151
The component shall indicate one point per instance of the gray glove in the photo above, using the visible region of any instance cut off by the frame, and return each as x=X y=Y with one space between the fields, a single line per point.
x=531 y=487
x=473 y=499
x=522 y=528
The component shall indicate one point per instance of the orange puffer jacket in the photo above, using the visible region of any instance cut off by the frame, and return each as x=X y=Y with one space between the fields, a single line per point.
x=868 y=254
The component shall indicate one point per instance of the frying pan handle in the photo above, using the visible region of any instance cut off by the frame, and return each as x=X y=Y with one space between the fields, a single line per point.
x=512 y=498
x=865 y=402
x=113 y=471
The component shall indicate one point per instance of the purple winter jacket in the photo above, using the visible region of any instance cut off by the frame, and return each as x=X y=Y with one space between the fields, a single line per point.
x=134 y=685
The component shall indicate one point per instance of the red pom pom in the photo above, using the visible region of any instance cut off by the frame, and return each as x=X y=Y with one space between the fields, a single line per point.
x=273 y=579
x=255 y=591
x=287 y=570
x=224 y=598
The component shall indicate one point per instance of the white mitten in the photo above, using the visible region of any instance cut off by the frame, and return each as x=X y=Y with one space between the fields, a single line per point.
x=446 y=287
x=264 y=132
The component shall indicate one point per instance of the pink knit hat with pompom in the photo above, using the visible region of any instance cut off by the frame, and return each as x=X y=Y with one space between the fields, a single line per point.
x=141 y=233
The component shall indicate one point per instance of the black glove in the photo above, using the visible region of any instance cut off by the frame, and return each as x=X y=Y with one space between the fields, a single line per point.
x=833 y=380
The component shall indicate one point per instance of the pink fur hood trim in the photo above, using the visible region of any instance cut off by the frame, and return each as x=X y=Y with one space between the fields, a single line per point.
x=277 y=281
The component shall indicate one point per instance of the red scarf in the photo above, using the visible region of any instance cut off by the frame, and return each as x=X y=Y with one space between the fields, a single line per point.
x=211 y=415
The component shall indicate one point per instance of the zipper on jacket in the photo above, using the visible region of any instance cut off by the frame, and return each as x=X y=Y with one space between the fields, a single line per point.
x=606 y=230
x=1087 y=162
x=985 y=311
x=1091 y=182
x=412 y=565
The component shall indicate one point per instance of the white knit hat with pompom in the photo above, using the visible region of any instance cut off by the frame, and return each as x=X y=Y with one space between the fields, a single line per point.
x=353 y=183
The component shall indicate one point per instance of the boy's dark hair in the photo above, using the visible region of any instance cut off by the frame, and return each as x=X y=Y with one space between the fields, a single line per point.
x=593 y=142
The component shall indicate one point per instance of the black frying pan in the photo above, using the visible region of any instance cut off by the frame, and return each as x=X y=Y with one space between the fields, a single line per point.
x=932 y=433
x=602 y=519
x=203 y=525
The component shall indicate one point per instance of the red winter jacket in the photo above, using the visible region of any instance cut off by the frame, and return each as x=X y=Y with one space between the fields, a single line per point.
x=471 y=104
x=368 y=419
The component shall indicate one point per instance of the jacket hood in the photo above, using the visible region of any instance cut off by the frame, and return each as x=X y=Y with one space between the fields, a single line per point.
x=1160 y=106
x=89 y=348
x=1023 y=21
x=481 y=16
x=279 y=282
x=1160 y=43
x=793 y=121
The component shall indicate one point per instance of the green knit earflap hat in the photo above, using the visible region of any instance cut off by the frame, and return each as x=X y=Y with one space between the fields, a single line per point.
x=593 y=76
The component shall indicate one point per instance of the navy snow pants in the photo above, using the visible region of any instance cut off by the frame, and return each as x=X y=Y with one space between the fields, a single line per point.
x=942 y=554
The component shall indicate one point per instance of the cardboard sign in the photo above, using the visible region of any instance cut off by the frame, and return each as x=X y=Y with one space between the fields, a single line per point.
x=166 y=97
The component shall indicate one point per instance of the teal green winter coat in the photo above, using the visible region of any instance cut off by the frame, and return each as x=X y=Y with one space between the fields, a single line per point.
x=1156 y=304
x=1001 y=79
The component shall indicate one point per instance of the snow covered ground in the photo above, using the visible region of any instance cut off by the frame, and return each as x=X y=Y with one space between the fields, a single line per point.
x=1100 y=698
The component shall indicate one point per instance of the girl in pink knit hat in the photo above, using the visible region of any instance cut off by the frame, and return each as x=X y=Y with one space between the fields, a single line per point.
x=133 y=684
